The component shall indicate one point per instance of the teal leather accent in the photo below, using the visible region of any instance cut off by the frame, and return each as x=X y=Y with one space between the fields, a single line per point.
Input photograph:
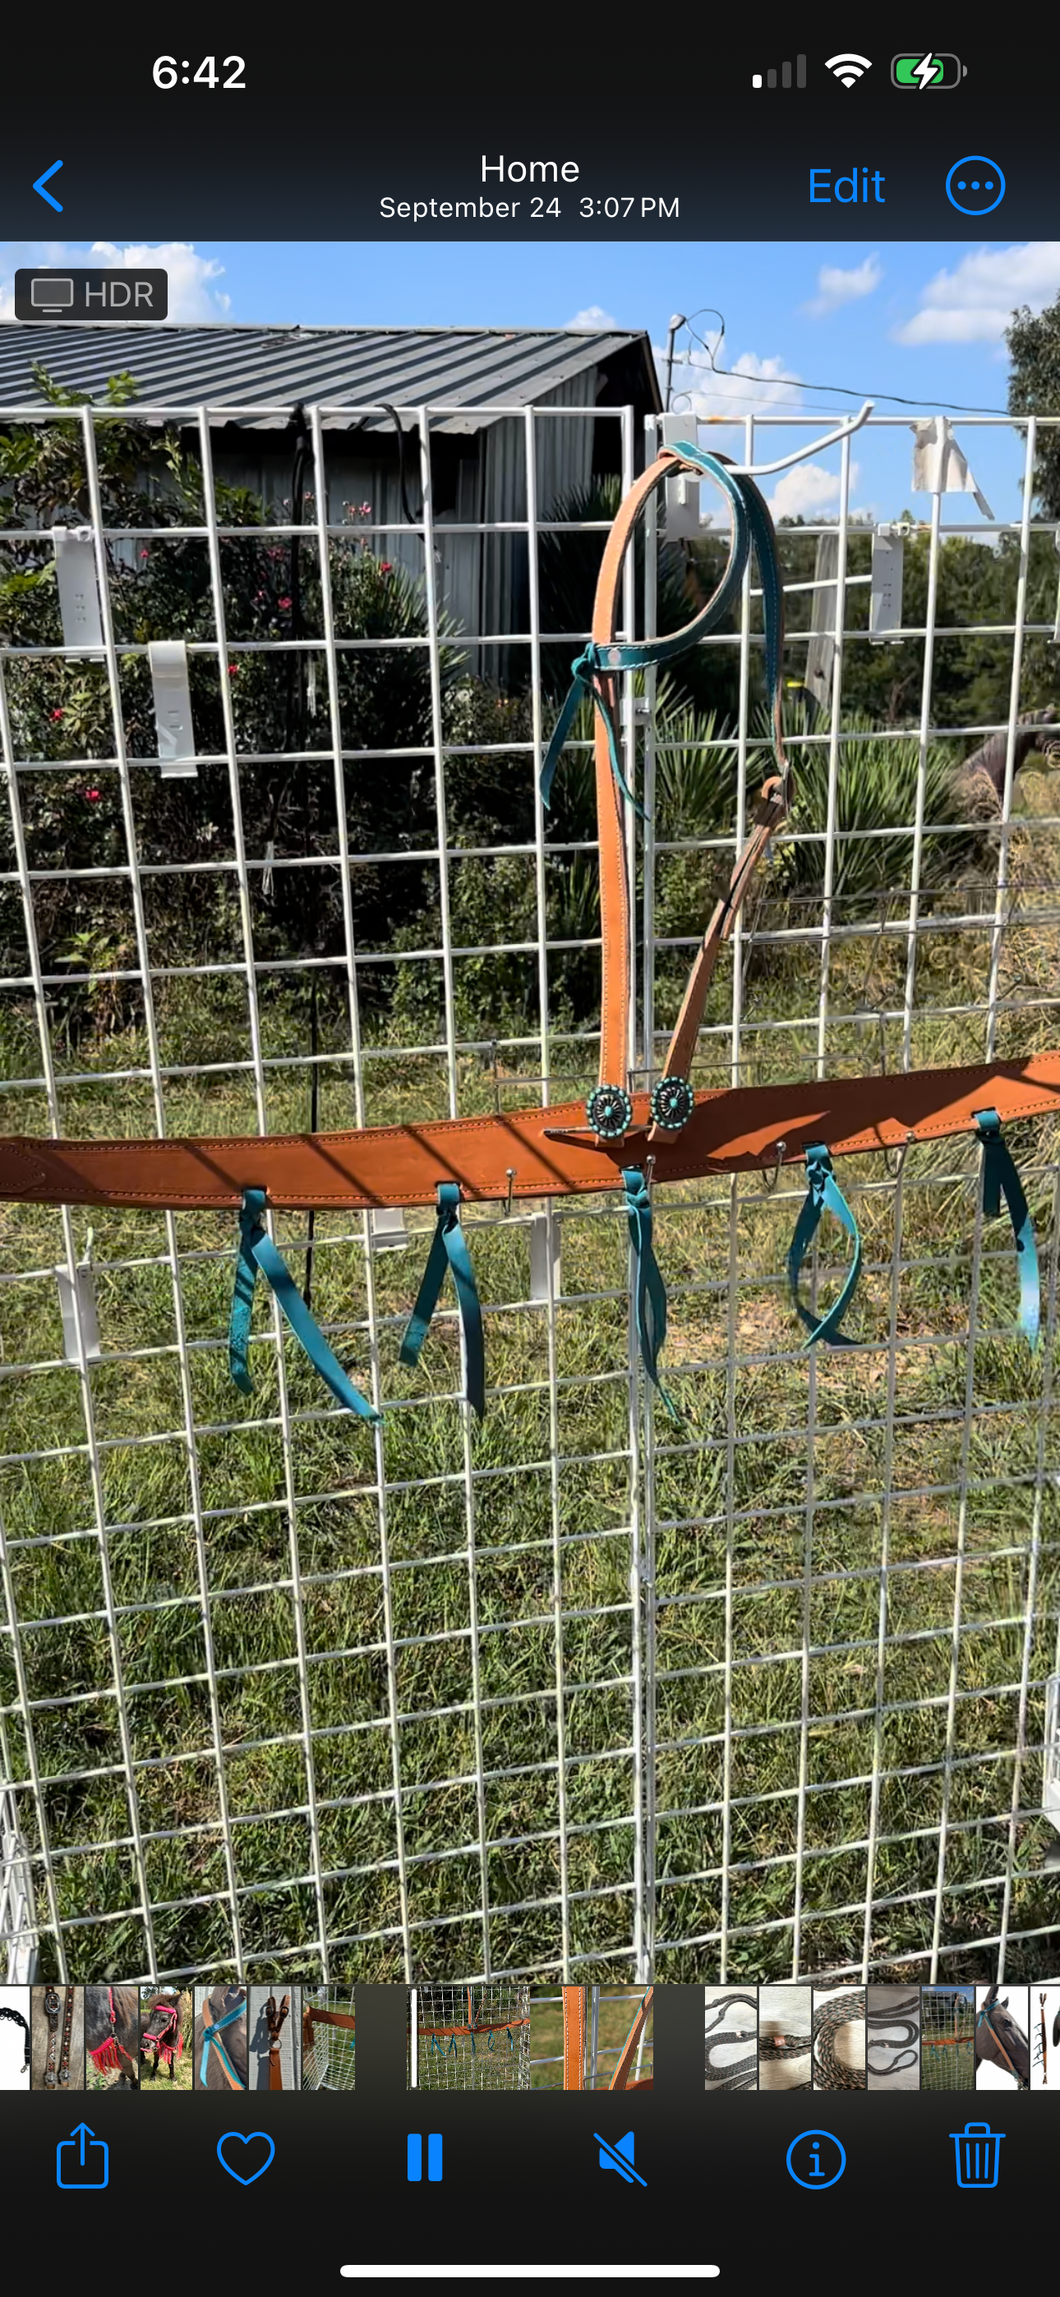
x=650 y=1294
x=823 y=1194
x=210 y=2040
x=1001 y=1179
x=258 y=1252
x=751 y=524
x=449 y=1249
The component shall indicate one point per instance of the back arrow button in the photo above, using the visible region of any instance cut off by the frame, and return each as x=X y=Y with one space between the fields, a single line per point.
x=46 y=178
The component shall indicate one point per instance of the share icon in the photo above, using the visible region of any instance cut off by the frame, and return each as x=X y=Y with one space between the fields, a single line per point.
x=620 y=2157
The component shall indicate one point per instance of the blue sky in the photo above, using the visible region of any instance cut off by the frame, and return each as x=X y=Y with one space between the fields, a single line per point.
x=809 y=326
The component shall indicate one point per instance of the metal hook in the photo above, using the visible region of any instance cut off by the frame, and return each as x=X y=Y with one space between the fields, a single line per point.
x=894 y=1171
x=802 y=454
x=510 y=1176
x=649 y=1168
x=771 y=1184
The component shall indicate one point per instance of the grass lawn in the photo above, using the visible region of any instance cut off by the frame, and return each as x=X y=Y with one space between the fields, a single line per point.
x=785 y=1667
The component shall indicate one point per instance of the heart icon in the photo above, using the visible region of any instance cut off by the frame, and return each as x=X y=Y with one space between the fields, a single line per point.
x=237 y=2137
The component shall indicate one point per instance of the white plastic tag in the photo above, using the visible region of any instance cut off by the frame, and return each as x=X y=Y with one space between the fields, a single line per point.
x=176 y=734
x=388 y=1228
x=682 y=493
x=885 y=605
x=75 y=574
x=77 y=1300
x=539 y=1273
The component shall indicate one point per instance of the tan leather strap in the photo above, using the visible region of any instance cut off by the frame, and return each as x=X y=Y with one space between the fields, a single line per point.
x=620 y=2078
x=772 y=809
x=343 y=2018
x=529 y=1152
x=616 y=969
x=575 y=2010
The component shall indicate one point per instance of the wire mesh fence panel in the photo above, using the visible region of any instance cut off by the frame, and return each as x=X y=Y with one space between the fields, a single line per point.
x=574 y=1691
x=947 y=2038
x=329 y=2038
x=471 y=2037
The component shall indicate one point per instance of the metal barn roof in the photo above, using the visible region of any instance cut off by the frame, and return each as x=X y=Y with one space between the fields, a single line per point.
x=225 y=368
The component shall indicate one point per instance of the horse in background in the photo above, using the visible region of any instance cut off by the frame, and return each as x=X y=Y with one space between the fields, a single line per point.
x=1000 y=2041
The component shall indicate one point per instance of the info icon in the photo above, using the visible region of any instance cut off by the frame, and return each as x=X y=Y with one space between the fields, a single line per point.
x=816 y=2160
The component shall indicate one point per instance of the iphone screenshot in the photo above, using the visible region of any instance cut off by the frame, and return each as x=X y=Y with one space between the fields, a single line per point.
x=529 y=1152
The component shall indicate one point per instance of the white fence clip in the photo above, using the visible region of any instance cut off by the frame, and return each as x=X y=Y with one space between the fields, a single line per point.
x=682 y=493
x=75 y=574
x=539 y=1258
x=389 y=1233
x=77 y=1301
x=885 y=603
x=172 y=695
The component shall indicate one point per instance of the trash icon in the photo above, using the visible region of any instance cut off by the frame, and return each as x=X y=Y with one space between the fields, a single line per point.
x=978 y=2153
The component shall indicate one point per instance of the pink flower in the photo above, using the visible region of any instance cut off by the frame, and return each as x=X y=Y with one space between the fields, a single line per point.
x=366 y=510
x=56 y=715
x=283 y=604
x=386 y=567
x=93 y=795
x=233 y=669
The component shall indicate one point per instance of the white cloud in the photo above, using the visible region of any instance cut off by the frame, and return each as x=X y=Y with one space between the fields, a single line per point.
x=808 y=490
x=192 y=295
x=836 y=287
x=592 y=319
x=755 y=386
x=974 y=303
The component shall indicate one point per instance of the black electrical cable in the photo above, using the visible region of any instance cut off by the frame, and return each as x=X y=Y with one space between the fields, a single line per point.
x=800 y=383
x=396 y=420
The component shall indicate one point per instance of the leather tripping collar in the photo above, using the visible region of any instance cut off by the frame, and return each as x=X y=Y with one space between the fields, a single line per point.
x=618 y=1139
x=471 y=2029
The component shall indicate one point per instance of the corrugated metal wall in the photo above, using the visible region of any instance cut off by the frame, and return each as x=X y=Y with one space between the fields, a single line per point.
x=483 y=578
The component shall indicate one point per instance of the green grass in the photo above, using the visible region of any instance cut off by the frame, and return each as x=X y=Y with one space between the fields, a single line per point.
x=780 y=1592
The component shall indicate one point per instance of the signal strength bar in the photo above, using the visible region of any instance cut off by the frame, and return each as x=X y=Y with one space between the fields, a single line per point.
x=783 y=79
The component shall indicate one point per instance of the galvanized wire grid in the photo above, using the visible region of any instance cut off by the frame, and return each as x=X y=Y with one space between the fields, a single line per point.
x=470 y=2037
x=947 y=2038
x=330 y=2062
x=584 y=1693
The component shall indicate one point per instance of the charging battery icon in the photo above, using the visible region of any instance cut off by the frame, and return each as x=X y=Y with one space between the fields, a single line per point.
x=927 y=71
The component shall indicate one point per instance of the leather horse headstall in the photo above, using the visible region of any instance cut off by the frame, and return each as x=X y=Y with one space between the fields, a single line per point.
x=619 y=1139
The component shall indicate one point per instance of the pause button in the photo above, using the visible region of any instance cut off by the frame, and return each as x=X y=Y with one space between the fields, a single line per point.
x=434 y=2158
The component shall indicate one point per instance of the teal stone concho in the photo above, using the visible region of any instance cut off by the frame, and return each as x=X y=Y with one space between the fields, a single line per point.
x=609 y=1111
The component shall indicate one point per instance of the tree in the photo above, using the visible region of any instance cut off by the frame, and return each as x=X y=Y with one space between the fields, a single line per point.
x=1034 y=389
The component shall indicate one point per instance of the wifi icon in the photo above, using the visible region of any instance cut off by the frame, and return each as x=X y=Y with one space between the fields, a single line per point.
x=848 y=68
